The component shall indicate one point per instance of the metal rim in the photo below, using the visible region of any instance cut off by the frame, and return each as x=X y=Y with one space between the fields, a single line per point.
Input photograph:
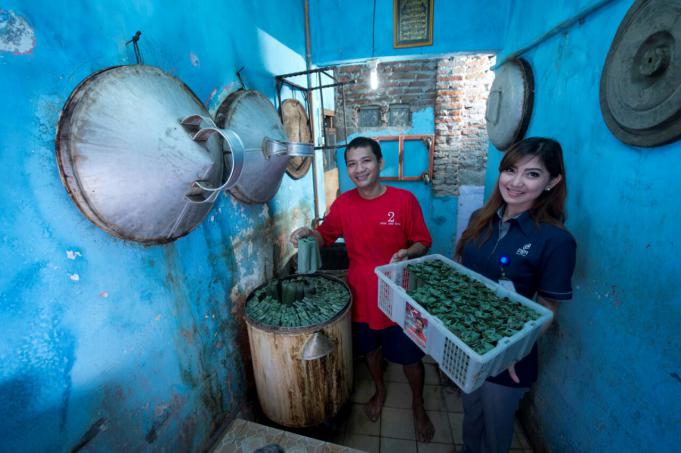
x=502 y=139
x=647 y=136
x=297 y=166
x=67 y=172
x=298 y=330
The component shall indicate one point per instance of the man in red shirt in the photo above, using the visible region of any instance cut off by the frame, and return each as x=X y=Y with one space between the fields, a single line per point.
x=380 y=224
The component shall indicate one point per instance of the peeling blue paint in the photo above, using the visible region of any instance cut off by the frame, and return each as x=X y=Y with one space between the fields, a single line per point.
x=16 y=35
x=606 y=381
x=146 y=342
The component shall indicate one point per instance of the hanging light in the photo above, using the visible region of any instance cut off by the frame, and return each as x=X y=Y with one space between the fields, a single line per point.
x=373 y=74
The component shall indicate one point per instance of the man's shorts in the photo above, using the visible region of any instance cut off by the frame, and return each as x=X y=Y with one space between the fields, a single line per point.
x=397 y=347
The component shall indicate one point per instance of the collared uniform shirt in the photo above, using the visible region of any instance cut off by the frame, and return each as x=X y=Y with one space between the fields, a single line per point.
x=541 y=260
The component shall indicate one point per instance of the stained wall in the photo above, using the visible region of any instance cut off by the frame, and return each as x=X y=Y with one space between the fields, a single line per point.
x=108 y=344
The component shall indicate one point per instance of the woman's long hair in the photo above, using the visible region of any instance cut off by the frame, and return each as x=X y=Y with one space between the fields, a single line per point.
x=548 y=208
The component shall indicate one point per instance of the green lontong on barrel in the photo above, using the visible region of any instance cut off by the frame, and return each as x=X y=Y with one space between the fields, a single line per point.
x=300 y=301
x=469 y=309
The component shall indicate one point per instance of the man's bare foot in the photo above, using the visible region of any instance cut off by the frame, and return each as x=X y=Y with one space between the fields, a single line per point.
x=374 y=406
x=424 y=427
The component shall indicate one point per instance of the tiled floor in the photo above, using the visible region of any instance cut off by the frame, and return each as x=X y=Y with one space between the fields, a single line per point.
x=394 y=431
x=244 y=436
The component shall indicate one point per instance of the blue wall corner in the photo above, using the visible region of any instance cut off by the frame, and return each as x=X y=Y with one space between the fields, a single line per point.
x=106 y=343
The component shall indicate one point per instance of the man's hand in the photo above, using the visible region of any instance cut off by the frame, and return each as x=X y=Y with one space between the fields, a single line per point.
x=400 y=255
x=299 y=234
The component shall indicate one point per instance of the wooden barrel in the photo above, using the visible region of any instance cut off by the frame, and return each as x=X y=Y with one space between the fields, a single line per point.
x=296 y=388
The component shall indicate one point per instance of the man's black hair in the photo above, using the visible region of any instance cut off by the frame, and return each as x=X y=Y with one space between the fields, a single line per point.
x=364 y=142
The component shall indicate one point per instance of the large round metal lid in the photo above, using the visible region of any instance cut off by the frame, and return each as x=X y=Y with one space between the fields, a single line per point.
x=253 y=118
x=509 y=105
x=126 y=160
x=641 y=82
x=297 y=129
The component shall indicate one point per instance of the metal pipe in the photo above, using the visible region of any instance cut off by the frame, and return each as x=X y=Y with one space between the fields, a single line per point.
x=345 y=121
x=308 y=64
x=321 y=106
x=311 y=71
x=579 y=17
x=302 y=88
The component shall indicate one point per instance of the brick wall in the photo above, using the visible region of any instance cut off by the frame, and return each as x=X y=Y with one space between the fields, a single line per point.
x=455 y=87
x=463 y=83
x=404 y=83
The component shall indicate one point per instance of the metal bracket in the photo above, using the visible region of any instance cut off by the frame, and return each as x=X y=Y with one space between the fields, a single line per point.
x=272 y=147
x=235 y=148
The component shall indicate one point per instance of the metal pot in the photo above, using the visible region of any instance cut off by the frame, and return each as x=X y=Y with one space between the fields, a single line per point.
x=303 y=375
x=266 y=149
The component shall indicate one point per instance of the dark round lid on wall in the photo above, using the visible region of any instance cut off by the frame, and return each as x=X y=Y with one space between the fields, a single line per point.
x=125 y=159
x=297 y=129
x=640 y=92
x=509 y=105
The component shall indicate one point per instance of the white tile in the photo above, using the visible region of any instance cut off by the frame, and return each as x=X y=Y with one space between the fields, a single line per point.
x=435 y=448
x=390 y=445
x=443 y=433
x=394 y=373
x=399 y=395
x=363 y=442
x=452 y=397
x=397 y=423
x=363 y=391
x=432 y=396
x=456 y=425
x=359 y=423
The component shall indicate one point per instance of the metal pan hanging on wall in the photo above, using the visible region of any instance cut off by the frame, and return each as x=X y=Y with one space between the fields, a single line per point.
x=252 y=117
x=640 y=91
x=509 y=105
x=297 y=129
x=126 y=160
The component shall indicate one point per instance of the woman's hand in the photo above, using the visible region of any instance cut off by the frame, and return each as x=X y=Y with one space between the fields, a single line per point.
x=299 y=234
x=512 y=373
x=399 y=255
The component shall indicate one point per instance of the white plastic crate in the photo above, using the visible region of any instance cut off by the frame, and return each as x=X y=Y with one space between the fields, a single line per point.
x=464 y=366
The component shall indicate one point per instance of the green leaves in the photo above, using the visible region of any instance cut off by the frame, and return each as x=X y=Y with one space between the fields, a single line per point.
x=297 y=302
x=465 y=306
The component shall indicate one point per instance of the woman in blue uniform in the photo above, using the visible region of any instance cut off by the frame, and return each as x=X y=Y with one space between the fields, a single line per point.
x=518 y=238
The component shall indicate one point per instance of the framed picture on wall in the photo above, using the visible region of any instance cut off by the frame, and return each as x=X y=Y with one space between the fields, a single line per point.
x=413 y=23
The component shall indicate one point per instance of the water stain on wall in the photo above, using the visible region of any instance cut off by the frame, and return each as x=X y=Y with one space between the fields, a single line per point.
x=16 y=36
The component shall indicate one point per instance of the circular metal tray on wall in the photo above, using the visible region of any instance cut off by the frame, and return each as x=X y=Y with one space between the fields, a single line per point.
x=640 y=92
x=509 y=105
x=297 y=129
x=253 y=118
x=125 y=159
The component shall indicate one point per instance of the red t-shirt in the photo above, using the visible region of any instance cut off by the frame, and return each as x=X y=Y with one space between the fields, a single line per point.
x=373 y=230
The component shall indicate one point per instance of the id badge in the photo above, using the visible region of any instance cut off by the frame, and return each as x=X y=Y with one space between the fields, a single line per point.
x=504 y=261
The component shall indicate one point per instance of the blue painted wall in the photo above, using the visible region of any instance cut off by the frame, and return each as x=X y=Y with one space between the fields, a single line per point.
x=611 y=369
x=341 y=31
x=610 y=373
x=131 y=347
x=438 y=212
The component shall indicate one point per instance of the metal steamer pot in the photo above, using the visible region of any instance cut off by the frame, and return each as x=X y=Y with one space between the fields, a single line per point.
x=125 y=160
x=142 y=159
x=265 y=147
x=303 y=375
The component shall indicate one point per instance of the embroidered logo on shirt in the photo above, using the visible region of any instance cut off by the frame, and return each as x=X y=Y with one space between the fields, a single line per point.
x=524 y=250
x=391 y=220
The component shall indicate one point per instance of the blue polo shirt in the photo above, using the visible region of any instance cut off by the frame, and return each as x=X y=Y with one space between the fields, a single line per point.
x=541 y=260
